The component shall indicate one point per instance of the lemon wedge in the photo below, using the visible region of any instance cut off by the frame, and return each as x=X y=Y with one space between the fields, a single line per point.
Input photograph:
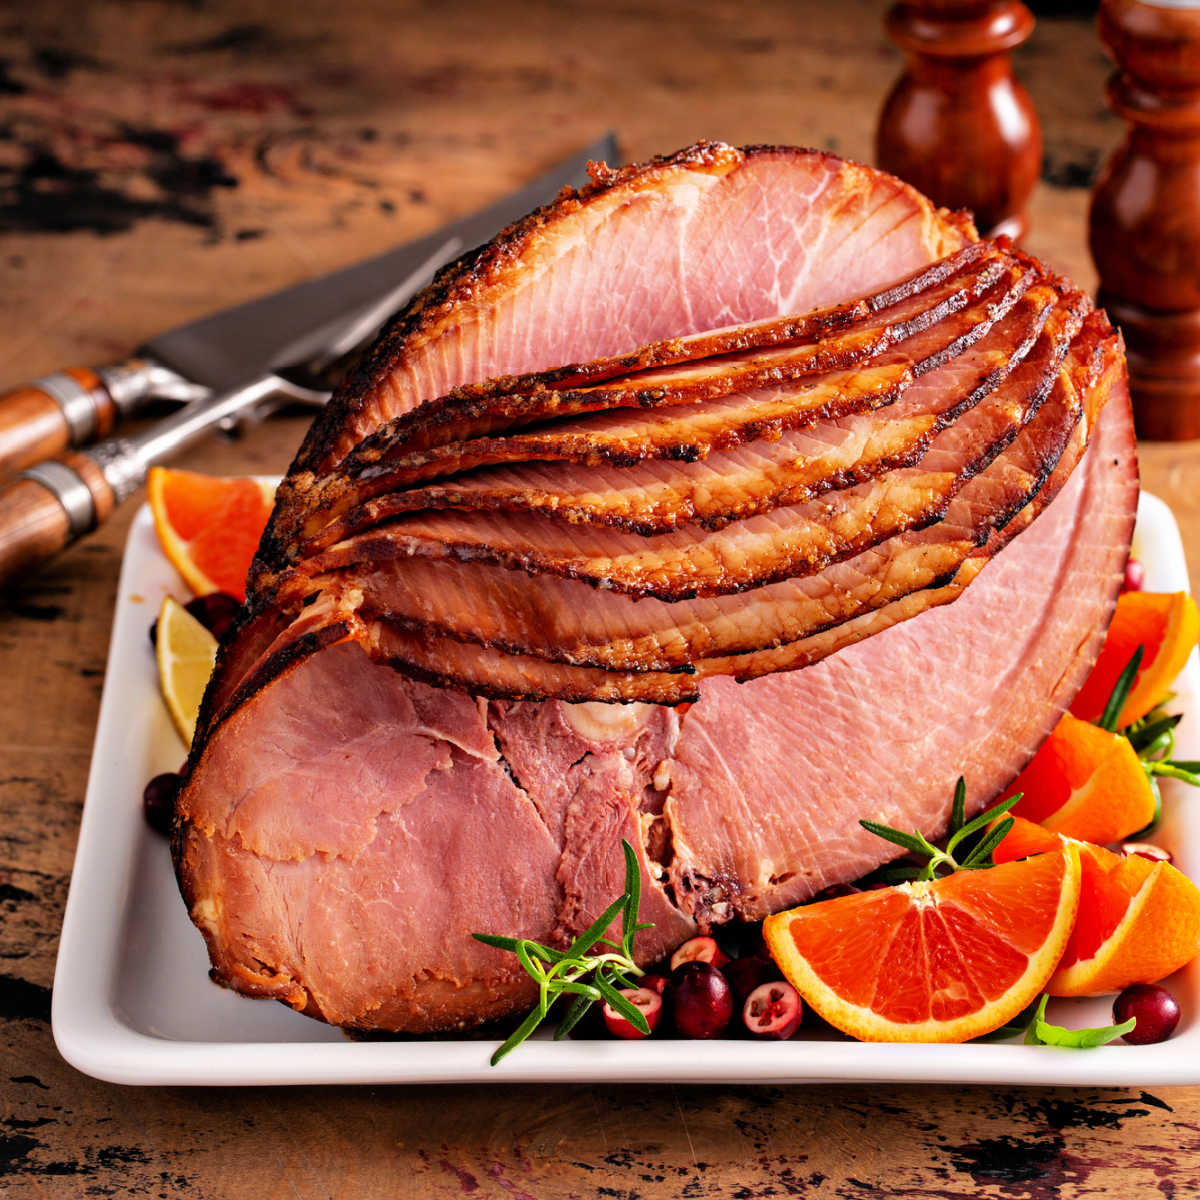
x=186 y=652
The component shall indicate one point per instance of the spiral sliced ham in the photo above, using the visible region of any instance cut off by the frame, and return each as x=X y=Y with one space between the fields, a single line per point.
x=810 y=435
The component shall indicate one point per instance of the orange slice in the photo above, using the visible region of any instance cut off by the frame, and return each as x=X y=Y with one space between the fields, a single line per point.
x=1139 y=920
x=1086 y=783
x=1167 y=624
x=209 y=527
x=932 y=962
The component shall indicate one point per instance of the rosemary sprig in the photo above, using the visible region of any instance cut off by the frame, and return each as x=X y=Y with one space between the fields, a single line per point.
x=1152 y=738
x=583 y=970
x=1037 y=1031
x=977 y=857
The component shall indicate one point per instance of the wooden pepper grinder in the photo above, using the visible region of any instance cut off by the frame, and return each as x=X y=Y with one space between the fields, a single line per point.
x=1144 y=226
x=957 y=125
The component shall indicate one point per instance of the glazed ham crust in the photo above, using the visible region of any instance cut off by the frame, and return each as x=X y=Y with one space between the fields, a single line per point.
x=927 y=509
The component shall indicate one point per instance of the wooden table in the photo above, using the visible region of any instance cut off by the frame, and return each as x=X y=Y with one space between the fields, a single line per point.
x=160 y=161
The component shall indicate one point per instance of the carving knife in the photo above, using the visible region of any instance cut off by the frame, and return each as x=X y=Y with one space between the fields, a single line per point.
x=228 y=367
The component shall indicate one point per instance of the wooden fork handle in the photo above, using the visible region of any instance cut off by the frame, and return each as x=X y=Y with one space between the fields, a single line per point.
x=44 y=418
x=46 y=508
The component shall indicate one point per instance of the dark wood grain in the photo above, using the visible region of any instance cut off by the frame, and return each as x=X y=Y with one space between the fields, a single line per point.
x=166 y=159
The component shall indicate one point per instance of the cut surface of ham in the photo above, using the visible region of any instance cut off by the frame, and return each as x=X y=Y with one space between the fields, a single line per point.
x=490 y=576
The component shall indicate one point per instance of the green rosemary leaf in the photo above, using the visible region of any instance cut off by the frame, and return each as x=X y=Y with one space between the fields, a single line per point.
x=1042 y=1033
x=986 y=817
x=1143 y=738
x=910 y=841
x=1120 y=692
x=983 y=850
x=633 y=897
x=1154 y=820
x=526 y=959
x=576 y=987
x=576 y=1013
x=595 y=931
x=588 y=977
x=507 y=943
x=518 y=1035
x=1175 y=770
x=622 y=1005
x=898 y=874
x=958 y=814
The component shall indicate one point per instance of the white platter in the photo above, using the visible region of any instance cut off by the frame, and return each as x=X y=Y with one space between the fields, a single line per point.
x=133 y=1004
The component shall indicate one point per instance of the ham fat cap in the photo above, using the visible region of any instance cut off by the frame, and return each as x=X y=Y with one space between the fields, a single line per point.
x=344 y=826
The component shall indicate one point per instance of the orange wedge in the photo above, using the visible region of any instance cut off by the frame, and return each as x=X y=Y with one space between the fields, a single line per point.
x=209 y=527
x=1138 y=922
x=943 y=961
x=1167 y=625
x=1086 y=783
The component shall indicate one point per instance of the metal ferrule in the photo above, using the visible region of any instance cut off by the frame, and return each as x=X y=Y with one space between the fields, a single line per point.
x=122 y=464
x=76 y=401
x=132 y=383
x=69 y=490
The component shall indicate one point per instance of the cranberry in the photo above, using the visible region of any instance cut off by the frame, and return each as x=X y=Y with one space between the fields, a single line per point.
x=746 y=973
x=773 y=1010
x=701 y=1000
x=648 y=1001
x=158 y=800
x=1155 y=1009
x=699 y=949
x=1135 y=576
x=656 y=983
x=834 y=891
x=216 y=612
x=1146 y=850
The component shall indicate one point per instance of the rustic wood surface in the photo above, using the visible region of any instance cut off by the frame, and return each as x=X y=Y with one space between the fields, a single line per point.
x=161 y=160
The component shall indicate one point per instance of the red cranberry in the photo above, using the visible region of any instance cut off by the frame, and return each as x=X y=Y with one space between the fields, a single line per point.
x=701 y=1000
x=216 y=612
x=648 y=1001
x=773 y=1010
x=158 y=800
x=1146 y=850
x=1155 y=1010
x=699 y=949
x=656 y=983
x=1135 y=576
x=746 y=973
x=834 y=891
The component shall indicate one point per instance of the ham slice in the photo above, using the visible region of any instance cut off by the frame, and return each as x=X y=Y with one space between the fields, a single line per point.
x=929 y=379
x=345 y=825
x=726 y=399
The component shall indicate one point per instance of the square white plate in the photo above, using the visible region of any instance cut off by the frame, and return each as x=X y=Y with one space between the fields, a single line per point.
x=133 y=1004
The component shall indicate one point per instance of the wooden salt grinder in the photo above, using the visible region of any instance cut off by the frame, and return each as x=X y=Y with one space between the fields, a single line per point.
x=1144 y=225
x=957 y=125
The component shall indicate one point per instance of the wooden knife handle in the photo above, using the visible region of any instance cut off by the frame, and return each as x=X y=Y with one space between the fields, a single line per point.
x=46 y=508
x=42 y=419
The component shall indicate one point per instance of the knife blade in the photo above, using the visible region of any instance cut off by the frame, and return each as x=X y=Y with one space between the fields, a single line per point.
x=218 y=352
